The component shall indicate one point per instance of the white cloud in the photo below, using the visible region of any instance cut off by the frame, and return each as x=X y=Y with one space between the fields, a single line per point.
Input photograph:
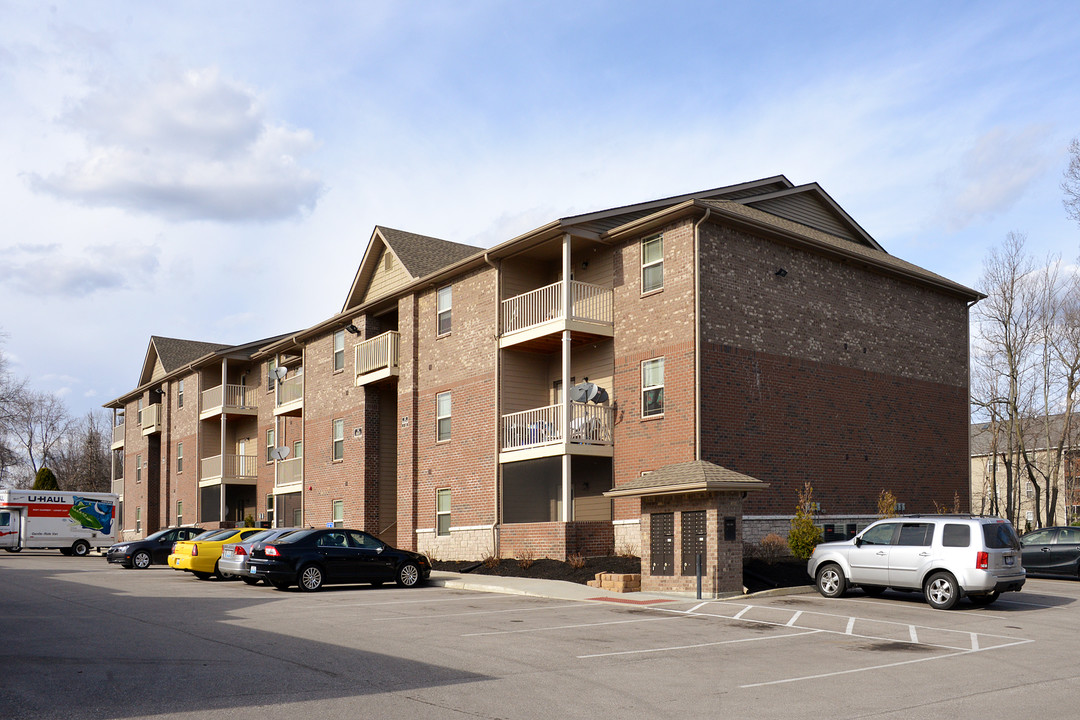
x=188 y=146
x=993 y=174
x=44 y=270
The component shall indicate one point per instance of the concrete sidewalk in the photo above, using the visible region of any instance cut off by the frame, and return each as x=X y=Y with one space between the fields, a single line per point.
x=562 y=590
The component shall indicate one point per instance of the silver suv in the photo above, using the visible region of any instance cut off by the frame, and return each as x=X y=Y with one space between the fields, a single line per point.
x=947 y=557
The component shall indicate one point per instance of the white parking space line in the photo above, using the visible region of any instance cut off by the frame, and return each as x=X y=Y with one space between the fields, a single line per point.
x=794 y=619
x=698 y=645
x=484 y=612
x=913 y=634
x=850 y=625
x=574 y=627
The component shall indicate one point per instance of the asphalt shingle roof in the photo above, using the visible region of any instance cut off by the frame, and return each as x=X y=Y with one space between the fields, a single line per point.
x=174 y=353
x=423 y=255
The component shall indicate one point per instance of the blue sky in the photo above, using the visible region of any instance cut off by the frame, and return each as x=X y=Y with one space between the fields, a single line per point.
x=213 y=171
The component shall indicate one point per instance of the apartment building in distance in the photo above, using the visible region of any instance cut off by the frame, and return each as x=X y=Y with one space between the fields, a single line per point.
x=471 y=401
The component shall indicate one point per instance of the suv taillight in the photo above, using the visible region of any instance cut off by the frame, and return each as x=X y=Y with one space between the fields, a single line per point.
x=982 y=560
x=270 y=551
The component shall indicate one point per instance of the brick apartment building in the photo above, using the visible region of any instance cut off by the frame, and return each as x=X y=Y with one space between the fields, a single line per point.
x=469 y=401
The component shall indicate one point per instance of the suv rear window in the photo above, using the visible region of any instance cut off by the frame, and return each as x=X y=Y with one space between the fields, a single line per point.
x=999 y=536
x=956 y=535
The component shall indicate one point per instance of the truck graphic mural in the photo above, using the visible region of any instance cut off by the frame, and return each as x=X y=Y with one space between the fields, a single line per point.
x=92 y=514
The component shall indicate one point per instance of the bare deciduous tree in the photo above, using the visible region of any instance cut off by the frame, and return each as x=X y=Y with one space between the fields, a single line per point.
x=81 y=461
x=1071 y=183
x=40 y=422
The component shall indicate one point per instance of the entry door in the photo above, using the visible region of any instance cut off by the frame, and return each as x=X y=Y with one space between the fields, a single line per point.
x=242 y=462
x=662 y=543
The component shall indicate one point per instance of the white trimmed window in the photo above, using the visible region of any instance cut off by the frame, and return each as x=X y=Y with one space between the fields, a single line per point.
x=139 y=415
x=339 y=350
x=179 y=457
x=444 y=302
x=339 y=439
x=339 y=513
x=138 y=470
x=138 y=519
x=180 y=394
x=270 y=445
x=298 y=449
x=442 y=511
x=179 y=512
x=652 y=387
x=270 y=509
x=271 y=375
x=442 y=417
x=652 y=264
x=1029 y=491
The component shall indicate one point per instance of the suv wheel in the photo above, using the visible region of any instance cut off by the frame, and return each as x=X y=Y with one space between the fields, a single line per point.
x=831 y=581
x=941 y=591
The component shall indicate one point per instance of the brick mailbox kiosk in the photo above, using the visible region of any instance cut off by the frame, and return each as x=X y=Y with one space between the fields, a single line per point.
x=687 y=509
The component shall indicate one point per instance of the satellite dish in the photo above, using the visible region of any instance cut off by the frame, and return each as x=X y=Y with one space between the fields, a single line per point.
x=578 y=393
x=280 y=372
x=280 y=453
x=601 y=396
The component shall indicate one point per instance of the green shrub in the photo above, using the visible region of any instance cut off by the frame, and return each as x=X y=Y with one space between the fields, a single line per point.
x=45 y=480
x=804 y=535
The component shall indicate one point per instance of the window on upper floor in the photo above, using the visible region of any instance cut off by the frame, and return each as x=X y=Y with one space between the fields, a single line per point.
x=652 y=264
x=442 y=417
x=339 y=513
x=339 y=350
x=180 y=394
x=652 y=387
x=138 y=519
x=138 y=416
x=179 y=457
x=445 y=300
x=339 y=439
x=1029 y=490
x=442 y=511
x=270 y=445
x=138 y=468
x=271 y=374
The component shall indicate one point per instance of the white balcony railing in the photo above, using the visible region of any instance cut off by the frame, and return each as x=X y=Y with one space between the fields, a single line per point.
x=234 y=396
x=588 y=303
x=589 y=425
x=289 y=471
x=118 y=434
x=290 y=390
x=243 y=467
x=378 y=353
x=151 y=418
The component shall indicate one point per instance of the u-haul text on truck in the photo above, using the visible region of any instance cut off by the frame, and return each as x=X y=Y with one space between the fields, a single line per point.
x=71 y=522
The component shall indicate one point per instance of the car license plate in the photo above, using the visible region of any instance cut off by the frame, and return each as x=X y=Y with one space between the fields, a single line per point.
x=251 y=570
x=1009 y=559
x=228 y=553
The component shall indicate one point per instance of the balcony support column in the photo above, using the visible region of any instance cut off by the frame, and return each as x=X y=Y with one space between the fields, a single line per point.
x=565 y=399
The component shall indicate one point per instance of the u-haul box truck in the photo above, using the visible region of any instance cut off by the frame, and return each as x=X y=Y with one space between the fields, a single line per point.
x=72 y=522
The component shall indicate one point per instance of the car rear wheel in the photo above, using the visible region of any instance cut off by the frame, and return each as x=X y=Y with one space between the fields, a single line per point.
x=14 y=549
x=140 y=560
x=984 y=600
x=310 y=578
x=941 y=591
x=408 y=575
x=831 y=581
x=202 y=575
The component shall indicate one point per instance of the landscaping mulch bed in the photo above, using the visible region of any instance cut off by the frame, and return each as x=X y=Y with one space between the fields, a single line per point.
x=757 y=574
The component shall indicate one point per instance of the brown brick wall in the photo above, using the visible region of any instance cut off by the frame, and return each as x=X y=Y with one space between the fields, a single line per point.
x=722 y=562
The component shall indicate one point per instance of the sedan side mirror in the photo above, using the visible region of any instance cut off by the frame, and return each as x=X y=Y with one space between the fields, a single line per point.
x=858 y=541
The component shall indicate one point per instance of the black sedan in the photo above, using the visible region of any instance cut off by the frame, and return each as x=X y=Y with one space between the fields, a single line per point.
x=152 y=550
x=1053 y=551
x=313 y=558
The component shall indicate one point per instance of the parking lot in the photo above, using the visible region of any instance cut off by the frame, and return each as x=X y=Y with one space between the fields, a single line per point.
x=85 y=640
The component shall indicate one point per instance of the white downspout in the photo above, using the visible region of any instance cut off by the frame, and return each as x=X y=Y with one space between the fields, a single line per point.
x=565 y=409
x=697 y=334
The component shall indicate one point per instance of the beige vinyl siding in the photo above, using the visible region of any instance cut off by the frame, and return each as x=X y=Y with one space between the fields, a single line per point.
x=808 y=210
x=385 y=281
x=159 y=370
x=523 y=385
x=596 y=507
x=594 y=362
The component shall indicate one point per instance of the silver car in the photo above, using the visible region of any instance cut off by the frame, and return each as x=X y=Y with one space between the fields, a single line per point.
x=946 y=557
x=234 y=556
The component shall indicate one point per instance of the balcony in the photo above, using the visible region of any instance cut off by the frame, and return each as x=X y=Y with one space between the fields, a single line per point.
x=228 y=399
x=151 y=419
x=290 y=396
x=118 y=437
x=377 y=358
x=235 y=469
x=539 y=432
x=539 y=313
x=289 y=472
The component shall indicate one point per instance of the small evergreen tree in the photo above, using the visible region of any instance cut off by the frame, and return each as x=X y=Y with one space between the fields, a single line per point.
x=45 y=480
x=886 y=504
x=804 y=535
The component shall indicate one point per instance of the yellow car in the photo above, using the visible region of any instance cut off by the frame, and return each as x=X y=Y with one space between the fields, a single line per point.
x=200 y=557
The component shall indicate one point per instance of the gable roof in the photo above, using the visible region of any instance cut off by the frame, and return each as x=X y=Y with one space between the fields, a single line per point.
x=173 y=353
x=688 y=477
x=420 y=255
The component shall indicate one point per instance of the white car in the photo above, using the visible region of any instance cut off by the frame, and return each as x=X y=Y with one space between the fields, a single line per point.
x=946 y=557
